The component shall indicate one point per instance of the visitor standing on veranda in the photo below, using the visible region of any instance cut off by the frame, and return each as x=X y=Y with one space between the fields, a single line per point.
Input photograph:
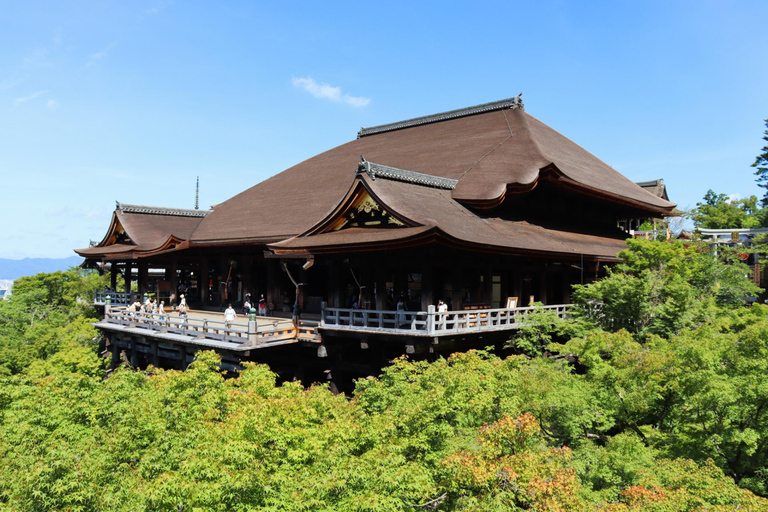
x=229 y=316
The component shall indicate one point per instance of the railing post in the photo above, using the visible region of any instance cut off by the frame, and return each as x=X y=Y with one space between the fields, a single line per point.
x=322 y=313
x=252 y=327
x=107 y=306
x=431 y=319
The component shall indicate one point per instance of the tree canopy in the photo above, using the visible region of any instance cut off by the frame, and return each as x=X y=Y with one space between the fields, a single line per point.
x=761 y=166
x=669 y=414
x=719 y=211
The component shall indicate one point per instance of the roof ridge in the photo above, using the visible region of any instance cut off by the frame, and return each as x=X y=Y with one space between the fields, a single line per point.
x=650 y=183
x=161 y=210
x=516 y=102
x=393 y=173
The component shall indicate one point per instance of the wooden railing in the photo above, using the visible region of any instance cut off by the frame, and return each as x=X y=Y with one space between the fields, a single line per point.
x=116 y=298
x=201 y=328
x=430 y=322
x=372 y=319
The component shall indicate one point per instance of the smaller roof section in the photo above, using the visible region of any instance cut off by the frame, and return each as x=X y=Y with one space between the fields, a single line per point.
x=137 y=230
x=655 y=187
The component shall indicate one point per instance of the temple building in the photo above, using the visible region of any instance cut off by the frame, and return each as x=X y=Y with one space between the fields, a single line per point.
x=482 y=207
x=469 y=206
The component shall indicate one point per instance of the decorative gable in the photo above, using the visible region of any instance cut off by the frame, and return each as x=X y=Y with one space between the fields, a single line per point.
x=118 y=235
x=364 y=212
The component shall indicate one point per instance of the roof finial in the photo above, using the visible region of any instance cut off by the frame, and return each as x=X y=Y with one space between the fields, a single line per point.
x=197 y=194
x=362 y=166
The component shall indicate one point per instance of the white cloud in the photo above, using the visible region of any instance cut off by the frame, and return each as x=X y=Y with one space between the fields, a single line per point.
x=328 y=92
x=9 y=83
x=36 y=58
x=94 y=58
x=157 y=8
x=52 y=103
x=24 y=99
x=733 y=197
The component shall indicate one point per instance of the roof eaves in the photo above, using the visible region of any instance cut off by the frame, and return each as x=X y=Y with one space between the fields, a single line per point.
x=161 y=210
x=393 y=173
x=516 y=102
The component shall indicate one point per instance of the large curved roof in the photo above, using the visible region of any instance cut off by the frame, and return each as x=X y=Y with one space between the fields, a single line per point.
x=432 y=214
x=137 y=229
x=492 y=150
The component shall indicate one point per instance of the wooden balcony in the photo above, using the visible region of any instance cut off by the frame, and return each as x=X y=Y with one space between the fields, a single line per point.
x=208 y=330
x=430 y=323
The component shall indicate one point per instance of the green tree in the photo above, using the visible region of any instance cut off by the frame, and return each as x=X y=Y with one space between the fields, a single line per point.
x=718 y=211
x=761 y=164
x=663 y=287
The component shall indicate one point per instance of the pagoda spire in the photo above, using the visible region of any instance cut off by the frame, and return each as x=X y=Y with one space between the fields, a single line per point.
x=197 y=194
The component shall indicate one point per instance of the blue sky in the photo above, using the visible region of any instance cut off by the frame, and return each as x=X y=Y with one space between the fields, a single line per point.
x=130 y=101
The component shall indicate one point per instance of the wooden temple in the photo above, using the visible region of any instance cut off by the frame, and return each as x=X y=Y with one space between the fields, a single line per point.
x=483 y=208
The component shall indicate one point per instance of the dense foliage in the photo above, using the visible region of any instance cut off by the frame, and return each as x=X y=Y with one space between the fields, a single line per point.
x=664 y=416
x=46 y=313
x=719 y=211
x=761 y=166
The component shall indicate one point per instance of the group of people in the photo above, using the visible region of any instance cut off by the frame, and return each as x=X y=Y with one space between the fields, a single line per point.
x=248 y=304
x=151 y=307
x=230 y=314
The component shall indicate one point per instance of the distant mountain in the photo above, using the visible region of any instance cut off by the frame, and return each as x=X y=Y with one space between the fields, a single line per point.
x=14 y=269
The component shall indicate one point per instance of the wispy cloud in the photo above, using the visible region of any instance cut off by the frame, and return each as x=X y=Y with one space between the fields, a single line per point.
x=24 y=99
x=157 y=8
x=80 y=213
x=51 y=103
x=324 y=91
x=95 y=58
x=9 y=83
x=36 y=58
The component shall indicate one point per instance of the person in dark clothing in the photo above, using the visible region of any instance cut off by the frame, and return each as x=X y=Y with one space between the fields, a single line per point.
x=296 y=313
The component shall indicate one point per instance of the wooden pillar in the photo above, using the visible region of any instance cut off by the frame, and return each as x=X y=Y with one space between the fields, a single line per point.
x=542 y=288
x=174 y=278
x=247 y=271
x=128 y=276
x=155 y=354
x=133 y=352
x=183 y=353
x=273 y=284
x=380 y=280
x=113 y=276
x=334 y=299
x=202 y=285
x=143 y=271
x=427 y=280
x=115 y=352
x=487 y=283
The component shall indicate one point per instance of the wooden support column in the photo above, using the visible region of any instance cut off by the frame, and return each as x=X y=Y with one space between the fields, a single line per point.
x=113 y=276
x=202 y=285
x=133 y=352
x=174 y=278
x=334 y=299
x=183 y=353
x=128 y=276
x=273 y=284
x=380 y=280
x=427 y=281
x=143 y=271
x=487 y=284
x=517 y=284
x=247 y=271
x=155 y=354
x=115 y=352
x=542 y=288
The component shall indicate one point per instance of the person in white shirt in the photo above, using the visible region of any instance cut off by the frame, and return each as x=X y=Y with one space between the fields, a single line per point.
x=229 y=316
